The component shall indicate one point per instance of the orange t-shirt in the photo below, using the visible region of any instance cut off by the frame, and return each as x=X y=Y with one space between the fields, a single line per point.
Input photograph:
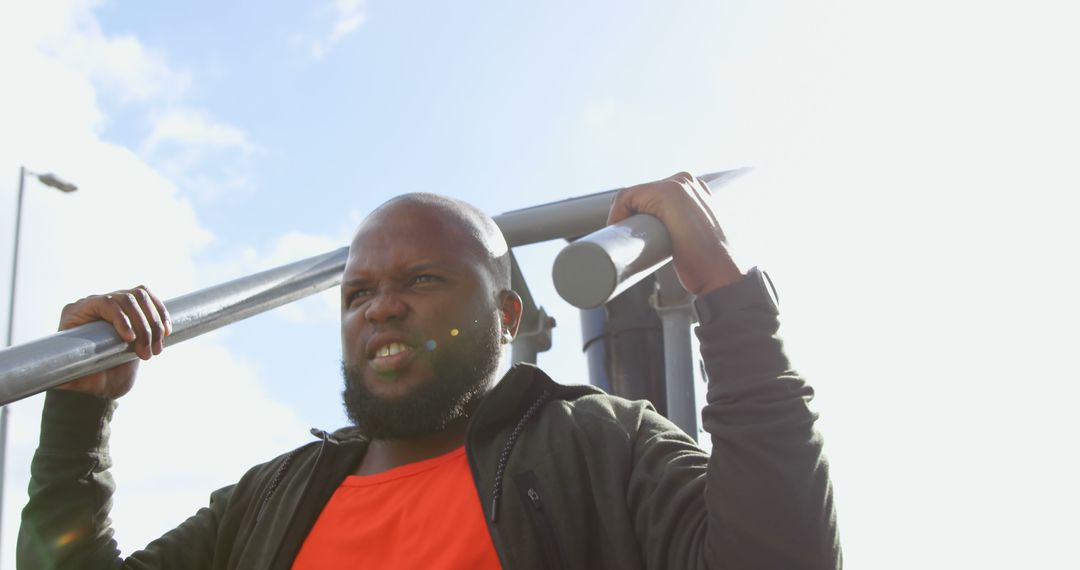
x=422 y=515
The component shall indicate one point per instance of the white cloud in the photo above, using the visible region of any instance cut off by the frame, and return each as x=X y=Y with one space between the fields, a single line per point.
x=194 y=127
x=126 y=67
x=200 y=154
x=204 y=156
x=344 y=16
x=121 y=65
x=127 y=224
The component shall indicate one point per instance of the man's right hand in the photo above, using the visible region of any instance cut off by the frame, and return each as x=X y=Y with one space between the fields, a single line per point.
x=138 y=316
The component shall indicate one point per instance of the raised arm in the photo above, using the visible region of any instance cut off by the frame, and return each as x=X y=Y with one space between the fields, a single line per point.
x=66 y=522
x=765 y=499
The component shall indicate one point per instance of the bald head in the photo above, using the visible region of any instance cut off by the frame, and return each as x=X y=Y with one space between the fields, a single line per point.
x=426 y=309
x=477 y=231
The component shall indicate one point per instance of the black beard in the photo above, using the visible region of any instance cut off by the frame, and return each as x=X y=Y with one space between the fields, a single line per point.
x=462 y=378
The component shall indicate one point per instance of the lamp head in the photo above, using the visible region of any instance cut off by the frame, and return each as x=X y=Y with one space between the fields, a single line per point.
x=50 y=179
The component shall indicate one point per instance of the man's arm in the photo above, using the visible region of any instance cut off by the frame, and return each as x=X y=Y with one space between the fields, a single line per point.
x=66 y=522
x=767 y=496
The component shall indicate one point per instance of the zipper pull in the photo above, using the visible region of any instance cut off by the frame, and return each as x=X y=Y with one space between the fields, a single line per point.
x=535 y=498
x=323 y=435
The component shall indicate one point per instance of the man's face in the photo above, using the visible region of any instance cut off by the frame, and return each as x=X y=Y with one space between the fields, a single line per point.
x=420 y=323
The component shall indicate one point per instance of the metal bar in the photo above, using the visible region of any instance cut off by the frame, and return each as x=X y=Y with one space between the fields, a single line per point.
x=679 y=370
x=595 y=346
x=38 y=365
x=15 y=257
x=524 y=349
x=675 y=307
x=530 y=339
x=594 y=269
x=530 y=342
x=9 y=338
x=557 y=220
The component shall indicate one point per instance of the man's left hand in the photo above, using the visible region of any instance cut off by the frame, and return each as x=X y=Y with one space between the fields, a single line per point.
x=683 y=203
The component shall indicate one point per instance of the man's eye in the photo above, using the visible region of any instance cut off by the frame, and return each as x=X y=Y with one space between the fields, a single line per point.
x=425 y=278
x=358 y=295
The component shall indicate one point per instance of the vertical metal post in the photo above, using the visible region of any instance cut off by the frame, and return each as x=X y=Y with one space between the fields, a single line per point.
x=536 y=339
x=679 y=364
x=594 y=345
x=523 y=350
x=675 y=308
x=623 y=342
x=8 y=340
x=534 y=331
x=15 y=257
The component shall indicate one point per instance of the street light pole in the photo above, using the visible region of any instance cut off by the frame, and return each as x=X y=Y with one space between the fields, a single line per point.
x=53 y=181
x=14 y=278
x=47 y=179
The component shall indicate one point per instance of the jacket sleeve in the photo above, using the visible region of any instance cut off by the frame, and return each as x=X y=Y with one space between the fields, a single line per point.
x=66 y=522
x=767 y=496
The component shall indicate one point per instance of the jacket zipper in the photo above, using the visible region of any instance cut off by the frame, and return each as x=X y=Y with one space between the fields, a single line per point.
x=294 y=536
x=534 y=506
x=500 y=470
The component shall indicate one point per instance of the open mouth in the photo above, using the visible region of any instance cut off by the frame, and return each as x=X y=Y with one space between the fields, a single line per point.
x=392 y=356
x=391 y=349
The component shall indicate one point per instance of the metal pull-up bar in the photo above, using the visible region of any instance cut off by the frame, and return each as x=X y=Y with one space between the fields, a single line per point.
x=596 y=268
x=634 y=248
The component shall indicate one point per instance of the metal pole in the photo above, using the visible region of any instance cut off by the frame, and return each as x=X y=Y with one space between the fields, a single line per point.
x=623 y=343
x=15 y=257
x=594 y=269
x=533 y=340
x=679 y=365
x=8 y=340
x=47 y=362
x=594 y=343
x=564 y=219
x=38 y=365
x=675 y=307
x=534 y=331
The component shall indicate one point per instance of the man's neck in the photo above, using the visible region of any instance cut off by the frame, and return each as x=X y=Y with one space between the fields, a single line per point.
x=386 y=454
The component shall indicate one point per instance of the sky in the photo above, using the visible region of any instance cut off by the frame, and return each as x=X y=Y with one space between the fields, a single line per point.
x=913 y=163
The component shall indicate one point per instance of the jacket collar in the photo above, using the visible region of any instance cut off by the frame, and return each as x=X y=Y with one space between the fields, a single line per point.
x=504 y=403
x=517 y=389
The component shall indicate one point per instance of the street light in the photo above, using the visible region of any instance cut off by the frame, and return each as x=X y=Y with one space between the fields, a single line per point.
x=48 y=179
x=53 y=181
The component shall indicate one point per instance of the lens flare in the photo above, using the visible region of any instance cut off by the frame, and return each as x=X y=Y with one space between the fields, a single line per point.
x=67 y=538
x=454 y=332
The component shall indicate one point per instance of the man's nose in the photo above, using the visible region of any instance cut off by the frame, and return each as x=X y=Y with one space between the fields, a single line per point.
x=385 y=306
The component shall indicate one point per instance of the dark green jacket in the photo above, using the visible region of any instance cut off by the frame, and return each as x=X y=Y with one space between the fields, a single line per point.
x=569 y=477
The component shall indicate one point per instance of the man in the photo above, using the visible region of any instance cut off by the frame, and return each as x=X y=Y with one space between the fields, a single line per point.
x=447 y=468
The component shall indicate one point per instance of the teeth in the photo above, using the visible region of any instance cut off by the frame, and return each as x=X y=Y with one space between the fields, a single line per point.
x=391 y=349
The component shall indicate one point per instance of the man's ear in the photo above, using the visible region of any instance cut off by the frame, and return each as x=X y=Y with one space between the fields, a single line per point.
x=509 y=315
